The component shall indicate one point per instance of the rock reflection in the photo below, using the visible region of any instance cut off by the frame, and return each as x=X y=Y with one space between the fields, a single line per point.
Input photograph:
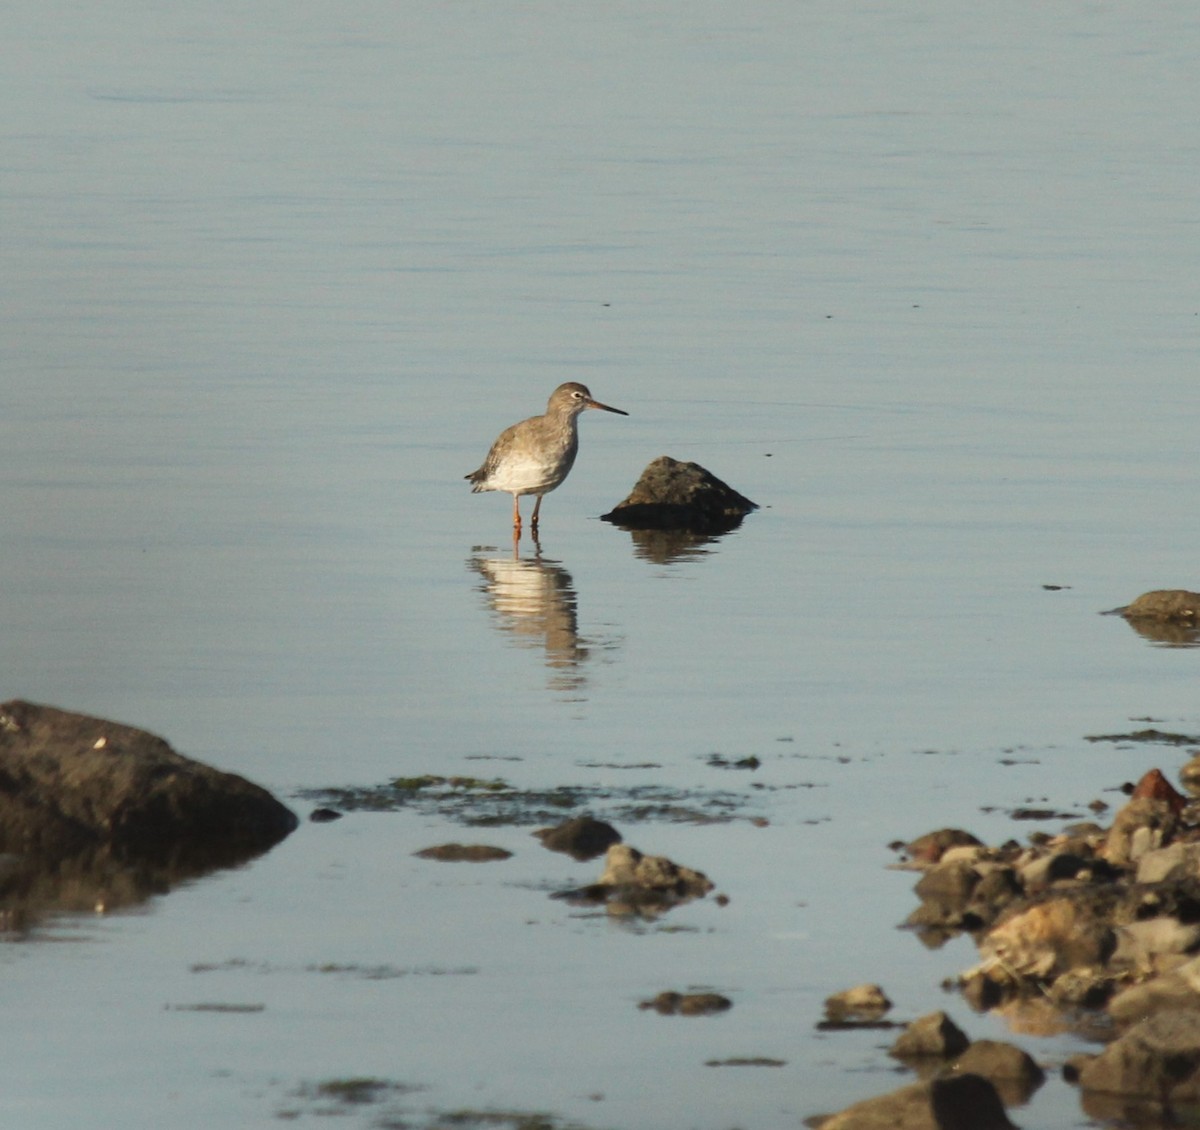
x=36 y=889
x=534 y=601
x=662 y=547
x=1166 y=633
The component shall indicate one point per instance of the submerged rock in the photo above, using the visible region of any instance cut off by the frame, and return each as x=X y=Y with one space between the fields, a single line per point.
x=670 y=1003
x=463 y=853
x=671 y=495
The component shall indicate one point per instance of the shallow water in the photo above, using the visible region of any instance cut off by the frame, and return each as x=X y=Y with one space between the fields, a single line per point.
x=920 y=282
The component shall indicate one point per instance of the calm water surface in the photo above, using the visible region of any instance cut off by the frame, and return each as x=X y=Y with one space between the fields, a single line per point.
x=921 y=282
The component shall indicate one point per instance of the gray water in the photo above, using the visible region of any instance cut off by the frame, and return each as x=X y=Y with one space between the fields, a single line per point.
x=920 y=281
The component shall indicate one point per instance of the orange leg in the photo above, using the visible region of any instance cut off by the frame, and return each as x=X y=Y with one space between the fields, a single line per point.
x=517 y=512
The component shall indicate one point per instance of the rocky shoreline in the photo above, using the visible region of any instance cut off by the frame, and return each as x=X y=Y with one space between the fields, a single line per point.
x=1096 y=931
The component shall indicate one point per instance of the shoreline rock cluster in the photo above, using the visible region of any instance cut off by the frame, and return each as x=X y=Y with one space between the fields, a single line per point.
x=1095 y=930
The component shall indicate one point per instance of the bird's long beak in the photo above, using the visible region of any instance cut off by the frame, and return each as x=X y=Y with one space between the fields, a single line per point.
x=597 y=404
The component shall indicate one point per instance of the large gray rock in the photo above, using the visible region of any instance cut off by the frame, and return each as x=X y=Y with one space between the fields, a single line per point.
x=70 y=783
x=1157 y=1059
x=672 y=495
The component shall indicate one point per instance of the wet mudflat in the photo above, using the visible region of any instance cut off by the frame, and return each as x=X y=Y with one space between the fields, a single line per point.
x=918 y=283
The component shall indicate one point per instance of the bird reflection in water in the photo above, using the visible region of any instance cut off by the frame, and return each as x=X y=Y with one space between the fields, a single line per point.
x=534 y=601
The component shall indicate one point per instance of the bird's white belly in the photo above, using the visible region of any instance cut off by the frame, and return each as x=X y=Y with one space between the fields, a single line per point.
x=524 y=474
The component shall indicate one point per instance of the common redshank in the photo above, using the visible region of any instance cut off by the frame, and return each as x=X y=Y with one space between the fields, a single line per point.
x=536 y=455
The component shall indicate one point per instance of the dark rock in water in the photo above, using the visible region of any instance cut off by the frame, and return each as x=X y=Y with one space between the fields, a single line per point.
x=70 y=782
x=672 y=495
x=96 y=816
x=464 y=853
x=581 y=837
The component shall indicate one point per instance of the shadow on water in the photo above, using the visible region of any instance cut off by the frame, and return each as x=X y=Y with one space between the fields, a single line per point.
x=534 y=602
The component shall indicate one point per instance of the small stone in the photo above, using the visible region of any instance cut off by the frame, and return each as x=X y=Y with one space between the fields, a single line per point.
x=463 y=853
x=861 y=1002
x=932 y=1035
